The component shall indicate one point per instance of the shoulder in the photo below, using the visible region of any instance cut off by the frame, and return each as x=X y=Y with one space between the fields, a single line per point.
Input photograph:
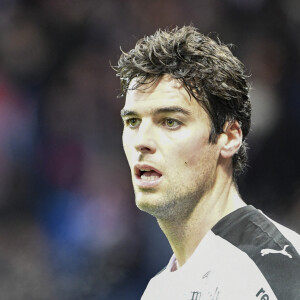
x=272 y=247
x=161 y=271
x=156 y=286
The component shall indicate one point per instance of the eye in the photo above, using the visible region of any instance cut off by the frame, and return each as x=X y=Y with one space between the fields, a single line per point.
x=133 y=122
x=171 y=123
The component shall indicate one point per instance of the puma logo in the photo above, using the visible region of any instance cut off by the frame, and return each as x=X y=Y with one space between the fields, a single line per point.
x=283 y=251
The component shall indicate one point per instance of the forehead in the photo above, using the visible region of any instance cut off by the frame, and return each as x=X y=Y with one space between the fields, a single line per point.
x=167 y=91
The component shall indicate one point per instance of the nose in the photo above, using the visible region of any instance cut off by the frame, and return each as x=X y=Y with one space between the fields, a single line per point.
x=145 y=142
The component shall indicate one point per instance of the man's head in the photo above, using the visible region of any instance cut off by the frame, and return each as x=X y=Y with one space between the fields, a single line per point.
x=206 y=69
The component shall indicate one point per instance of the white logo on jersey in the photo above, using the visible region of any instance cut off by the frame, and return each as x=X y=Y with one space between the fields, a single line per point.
x=283 y=251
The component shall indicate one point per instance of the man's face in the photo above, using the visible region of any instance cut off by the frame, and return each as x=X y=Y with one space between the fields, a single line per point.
x=165 y=139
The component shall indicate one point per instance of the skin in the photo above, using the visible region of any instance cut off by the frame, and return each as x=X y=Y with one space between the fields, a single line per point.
x=168 y=130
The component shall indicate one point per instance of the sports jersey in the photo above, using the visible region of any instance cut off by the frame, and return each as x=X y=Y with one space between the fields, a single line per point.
x=245 y=255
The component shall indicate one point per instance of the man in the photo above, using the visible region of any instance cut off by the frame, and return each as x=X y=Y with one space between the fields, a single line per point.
x=186 y=117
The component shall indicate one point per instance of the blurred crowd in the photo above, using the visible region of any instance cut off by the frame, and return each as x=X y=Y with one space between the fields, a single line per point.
x=69 y=226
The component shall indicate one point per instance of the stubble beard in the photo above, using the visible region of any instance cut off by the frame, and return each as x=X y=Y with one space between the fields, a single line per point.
x=179 y=201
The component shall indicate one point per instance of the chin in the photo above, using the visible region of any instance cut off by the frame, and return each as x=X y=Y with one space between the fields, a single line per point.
x=154 y=208
x=144 y=203
x=148 y=205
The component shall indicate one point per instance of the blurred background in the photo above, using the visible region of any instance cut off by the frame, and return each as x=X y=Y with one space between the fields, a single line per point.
x=69 y=228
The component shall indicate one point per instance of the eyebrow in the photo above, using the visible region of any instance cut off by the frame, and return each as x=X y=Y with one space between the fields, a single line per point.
x=168 y=109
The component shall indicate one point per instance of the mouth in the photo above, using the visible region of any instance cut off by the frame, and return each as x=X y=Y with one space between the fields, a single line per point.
x=147 y=176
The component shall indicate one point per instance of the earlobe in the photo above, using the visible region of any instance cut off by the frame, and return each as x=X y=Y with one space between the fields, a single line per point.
x=234 y=139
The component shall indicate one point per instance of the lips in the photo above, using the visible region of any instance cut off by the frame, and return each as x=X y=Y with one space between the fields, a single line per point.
x=147 y=176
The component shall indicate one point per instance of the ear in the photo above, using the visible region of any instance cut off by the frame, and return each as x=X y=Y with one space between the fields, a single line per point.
x=232 y=140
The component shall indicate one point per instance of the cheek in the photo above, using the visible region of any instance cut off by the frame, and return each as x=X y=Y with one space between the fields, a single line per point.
x=126 y=145
x=194 y=150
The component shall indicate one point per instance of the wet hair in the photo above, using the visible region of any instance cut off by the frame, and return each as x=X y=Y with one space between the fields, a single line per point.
x=207 y=70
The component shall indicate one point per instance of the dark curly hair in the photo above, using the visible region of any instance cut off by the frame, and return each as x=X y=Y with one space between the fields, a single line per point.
x=208 y=71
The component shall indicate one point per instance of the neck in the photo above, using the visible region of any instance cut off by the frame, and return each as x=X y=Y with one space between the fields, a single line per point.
x=185 y=235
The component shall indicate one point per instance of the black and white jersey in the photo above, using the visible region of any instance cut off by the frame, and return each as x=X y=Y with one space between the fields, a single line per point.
x=245 y=255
